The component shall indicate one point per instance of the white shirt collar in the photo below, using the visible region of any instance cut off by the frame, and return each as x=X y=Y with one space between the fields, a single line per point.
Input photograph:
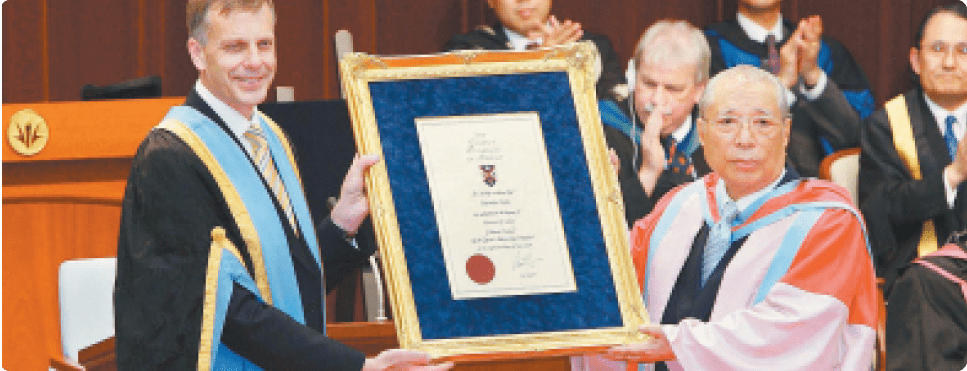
x=940 y=114
x=756 y=32
x=743 y=203
x=237 y=123
x=518 y=41
x=680 y=133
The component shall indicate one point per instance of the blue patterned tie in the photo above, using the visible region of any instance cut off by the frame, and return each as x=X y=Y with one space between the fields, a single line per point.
x=719 y=240
x=677 y=161
x=950 y=137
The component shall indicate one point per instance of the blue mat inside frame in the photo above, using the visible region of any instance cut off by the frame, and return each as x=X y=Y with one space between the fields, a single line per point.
x=397 y=104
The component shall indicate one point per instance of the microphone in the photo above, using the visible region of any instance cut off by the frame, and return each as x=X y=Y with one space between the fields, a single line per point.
x=378 y=277
x=344 y=45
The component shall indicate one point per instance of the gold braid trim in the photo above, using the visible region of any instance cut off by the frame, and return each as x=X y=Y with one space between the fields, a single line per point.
x=219 y=244
x=242 y=217
x=899 y=117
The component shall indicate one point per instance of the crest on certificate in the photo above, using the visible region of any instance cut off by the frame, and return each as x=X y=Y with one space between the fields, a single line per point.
x=489 y=177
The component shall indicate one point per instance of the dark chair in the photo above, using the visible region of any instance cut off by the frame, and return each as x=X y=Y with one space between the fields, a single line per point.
x=142 y=87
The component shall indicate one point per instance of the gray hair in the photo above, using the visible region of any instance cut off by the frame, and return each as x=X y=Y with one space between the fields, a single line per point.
x=747 y=74
x=677 y=43
x=197 y=14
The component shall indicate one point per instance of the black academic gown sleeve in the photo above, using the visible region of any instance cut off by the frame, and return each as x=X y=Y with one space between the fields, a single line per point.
x=171 y=204
x=926 y=322
x=829 y=116
x=637 y=202
x=894 y=204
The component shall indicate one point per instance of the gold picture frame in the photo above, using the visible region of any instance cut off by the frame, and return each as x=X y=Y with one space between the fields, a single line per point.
x=579 y=62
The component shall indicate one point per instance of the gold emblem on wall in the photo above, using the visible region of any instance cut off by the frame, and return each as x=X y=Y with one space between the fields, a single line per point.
x=28 y=132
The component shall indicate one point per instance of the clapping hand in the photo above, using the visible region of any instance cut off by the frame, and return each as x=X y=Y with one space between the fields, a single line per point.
x=652 y=153
x=557 y=33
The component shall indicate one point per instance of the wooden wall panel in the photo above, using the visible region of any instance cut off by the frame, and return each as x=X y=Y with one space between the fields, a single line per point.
x=23 y=51
x=105 y=53
x=416 y=27
x=357 y=17
x=301 y=45
x=47 y=58
x=178 y=74
x=615 y=21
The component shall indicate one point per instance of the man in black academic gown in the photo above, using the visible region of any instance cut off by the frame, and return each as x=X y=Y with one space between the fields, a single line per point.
x=911 y=210
x=926 y=324
x=658 y=148
x=525 y=24
x=181 y=191
x=829 y=92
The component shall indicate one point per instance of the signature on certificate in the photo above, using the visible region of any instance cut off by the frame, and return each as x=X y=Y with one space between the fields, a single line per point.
x=526 y=263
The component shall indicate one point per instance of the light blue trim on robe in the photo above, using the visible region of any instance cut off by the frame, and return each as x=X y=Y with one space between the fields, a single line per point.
x=230 y=272
x=809 y=214
x=665 y=223
x=258 y=201
x=789 y=247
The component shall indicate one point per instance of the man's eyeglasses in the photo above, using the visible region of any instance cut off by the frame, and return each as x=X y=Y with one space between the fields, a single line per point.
x=763 y=126
x=940 y=49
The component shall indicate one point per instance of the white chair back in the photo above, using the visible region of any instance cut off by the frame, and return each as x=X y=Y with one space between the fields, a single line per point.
x=845 y=172
x=86 y=290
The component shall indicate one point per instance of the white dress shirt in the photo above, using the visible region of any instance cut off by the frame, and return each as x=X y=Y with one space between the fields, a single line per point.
x=939 y=115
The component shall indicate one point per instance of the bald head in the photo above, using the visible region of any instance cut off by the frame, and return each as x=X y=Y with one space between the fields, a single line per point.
x=738 y=78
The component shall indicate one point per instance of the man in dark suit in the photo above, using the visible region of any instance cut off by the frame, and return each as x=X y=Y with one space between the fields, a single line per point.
x=926 y=322
x=655 y=138
x=911 y=166
x=526 y=24
x=828 y=91
x=219 y=261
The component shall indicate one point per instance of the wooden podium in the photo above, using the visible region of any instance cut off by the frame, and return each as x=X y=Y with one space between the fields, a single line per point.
x=64 y=202
x=59 y=204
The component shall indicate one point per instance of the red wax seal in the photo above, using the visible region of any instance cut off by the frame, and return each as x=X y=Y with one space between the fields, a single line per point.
x=480 y=269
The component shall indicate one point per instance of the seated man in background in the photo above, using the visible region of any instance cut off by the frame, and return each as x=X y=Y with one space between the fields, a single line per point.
x=752 y=266
x=926 y=322
x=528 y=23
x=658 y=148
x=911 y=165
x=829 y=94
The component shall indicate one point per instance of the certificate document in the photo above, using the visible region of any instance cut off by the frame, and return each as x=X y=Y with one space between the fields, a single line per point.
x=495 y=205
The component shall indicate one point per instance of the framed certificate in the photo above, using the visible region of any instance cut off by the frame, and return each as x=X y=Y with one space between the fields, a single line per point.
x=497 y=212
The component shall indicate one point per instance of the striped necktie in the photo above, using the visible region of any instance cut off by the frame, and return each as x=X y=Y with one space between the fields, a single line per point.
x=719 y=240
x=950 y=137
x=263 y=159
x=773 y=54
